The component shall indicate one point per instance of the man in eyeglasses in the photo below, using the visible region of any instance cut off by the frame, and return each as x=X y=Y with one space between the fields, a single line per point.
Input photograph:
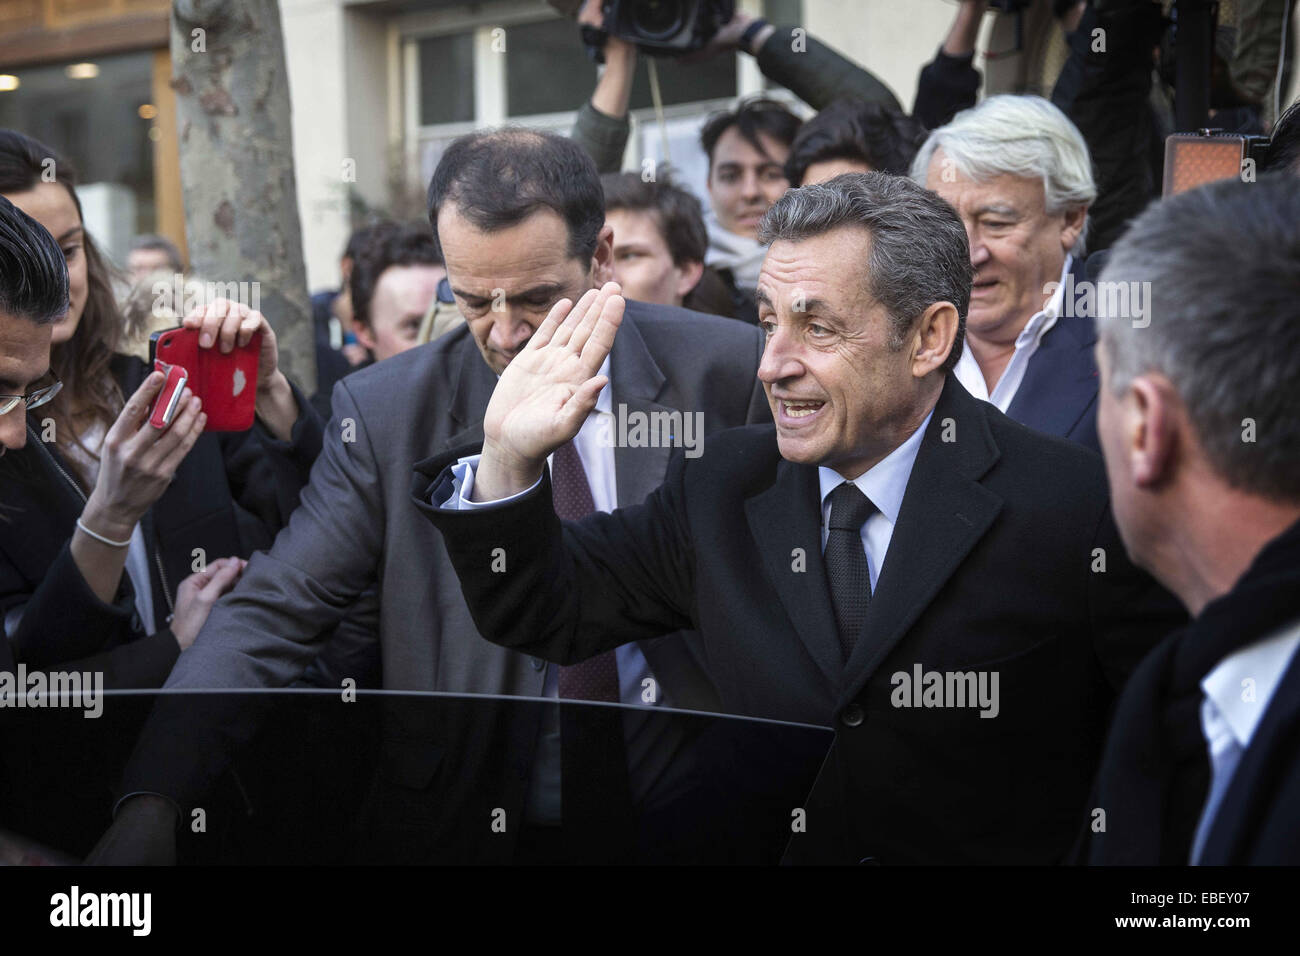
x=33 y=293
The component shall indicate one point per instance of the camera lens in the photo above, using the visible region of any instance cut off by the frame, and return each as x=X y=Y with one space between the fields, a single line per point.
x=658 y=19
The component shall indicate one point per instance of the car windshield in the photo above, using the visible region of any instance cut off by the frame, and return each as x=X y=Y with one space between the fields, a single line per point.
x=365 y=777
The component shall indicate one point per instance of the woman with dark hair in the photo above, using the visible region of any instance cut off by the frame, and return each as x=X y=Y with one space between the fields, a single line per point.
x=102 y=519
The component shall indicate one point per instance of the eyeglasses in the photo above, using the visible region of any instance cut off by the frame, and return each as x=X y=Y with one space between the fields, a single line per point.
x=34 y=398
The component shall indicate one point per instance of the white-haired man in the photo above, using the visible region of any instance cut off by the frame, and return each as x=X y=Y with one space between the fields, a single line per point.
x=1018 y=173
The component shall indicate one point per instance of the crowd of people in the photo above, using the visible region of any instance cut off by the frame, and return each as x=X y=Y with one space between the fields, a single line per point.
x=944 y=397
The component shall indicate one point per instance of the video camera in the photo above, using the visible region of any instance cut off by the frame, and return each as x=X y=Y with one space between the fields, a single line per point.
x=666 y=27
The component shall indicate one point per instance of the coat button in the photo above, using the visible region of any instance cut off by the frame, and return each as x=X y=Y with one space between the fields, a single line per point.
x=538 y=664
x=852 y=716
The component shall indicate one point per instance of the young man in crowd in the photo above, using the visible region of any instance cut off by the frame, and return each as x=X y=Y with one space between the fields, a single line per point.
x=659 y=237
x=394 y=278
x=853 y=136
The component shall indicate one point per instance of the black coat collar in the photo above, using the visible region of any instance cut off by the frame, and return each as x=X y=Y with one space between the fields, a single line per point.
x=945 y=512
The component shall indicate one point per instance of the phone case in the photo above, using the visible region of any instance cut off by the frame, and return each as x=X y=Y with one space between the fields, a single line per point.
x=164 y=406
x=226 y=384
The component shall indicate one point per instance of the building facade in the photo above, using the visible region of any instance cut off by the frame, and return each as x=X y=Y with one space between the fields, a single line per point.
x=380 y=87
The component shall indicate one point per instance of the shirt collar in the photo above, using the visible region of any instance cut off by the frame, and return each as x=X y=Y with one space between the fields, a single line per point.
x=604 y=401
x=1263 y=664
x=886 y=481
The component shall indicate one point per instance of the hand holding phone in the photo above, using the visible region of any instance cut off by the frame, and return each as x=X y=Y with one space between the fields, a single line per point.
x=226 y=383
x=137 y=461
x=225 y=326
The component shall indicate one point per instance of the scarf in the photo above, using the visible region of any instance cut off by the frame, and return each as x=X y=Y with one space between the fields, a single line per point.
x=740 y=255
x=1155 y=770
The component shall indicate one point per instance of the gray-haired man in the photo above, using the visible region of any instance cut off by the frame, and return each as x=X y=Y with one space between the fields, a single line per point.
x=1017 y=172
x=892 y=556
x=1200 y=424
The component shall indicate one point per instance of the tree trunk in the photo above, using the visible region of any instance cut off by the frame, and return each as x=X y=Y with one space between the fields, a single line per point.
x=236 y=152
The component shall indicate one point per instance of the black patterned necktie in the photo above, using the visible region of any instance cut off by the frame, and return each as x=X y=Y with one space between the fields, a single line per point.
x=846 y=562
x=595 y=795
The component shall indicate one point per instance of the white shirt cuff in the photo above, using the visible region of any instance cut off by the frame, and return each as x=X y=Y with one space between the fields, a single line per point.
x=463 y=487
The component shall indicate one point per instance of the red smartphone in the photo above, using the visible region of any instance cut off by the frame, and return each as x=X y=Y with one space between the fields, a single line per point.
x=226 y=384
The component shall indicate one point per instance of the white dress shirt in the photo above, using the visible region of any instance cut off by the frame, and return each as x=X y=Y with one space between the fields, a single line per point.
x=1030 y=338
x=647 y=756
x=885 y=484
x=1237 y=693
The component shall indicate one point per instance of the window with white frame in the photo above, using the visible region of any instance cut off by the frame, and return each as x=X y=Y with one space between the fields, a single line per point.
x=484 y=64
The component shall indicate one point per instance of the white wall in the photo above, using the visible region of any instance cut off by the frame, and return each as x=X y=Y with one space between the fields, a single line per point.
x=108 y=210
x=314 y=48
x=891 y=38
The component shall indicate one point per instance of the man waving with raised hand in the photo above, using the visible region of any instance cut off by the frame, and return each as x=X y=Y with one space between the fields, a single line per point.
x=848 y=565
x=546 y=393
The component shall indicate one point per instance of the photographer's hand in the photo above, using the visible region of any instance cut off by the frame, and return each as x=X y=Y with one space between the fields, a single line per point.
x=614 y=87
x=728 y=37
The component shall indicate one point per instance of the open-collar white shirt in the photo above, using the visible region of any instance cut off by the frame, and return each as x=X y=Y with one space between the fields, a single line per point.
x=968 y=370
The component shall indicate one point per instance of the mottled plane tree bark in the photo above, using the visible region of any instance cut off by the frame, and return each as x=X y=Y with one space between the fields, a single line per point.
x=236 y=154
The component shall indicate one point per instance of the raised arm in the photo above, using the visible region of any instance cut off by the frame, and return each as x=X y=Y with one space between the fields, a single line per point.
x=268 y=465
x=949 y=83
x=807 y=67
x=601 y=126
x=82 y=606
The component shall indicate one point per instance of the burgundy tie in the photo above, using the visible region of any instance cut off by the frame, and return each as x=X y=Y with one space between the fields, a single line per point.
x=595 y=798
x=595 y=678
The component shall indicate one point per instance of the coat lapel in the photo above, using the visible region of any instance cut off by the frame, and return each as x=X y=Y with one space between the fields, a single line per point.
x=469 y=396
x=635 y=383
x=1245 y=805
x=945 y=512
x=1060 y=383
x=786 y=517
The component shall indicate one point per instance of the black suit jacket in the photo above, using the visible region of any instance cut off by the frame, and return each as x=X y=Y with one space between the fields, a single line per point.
x=990 y=568
x=1058 y=394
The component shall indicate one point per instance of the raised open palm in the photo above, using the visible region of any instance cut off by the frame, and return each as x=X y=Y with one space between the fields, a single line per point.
x=547 y=391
